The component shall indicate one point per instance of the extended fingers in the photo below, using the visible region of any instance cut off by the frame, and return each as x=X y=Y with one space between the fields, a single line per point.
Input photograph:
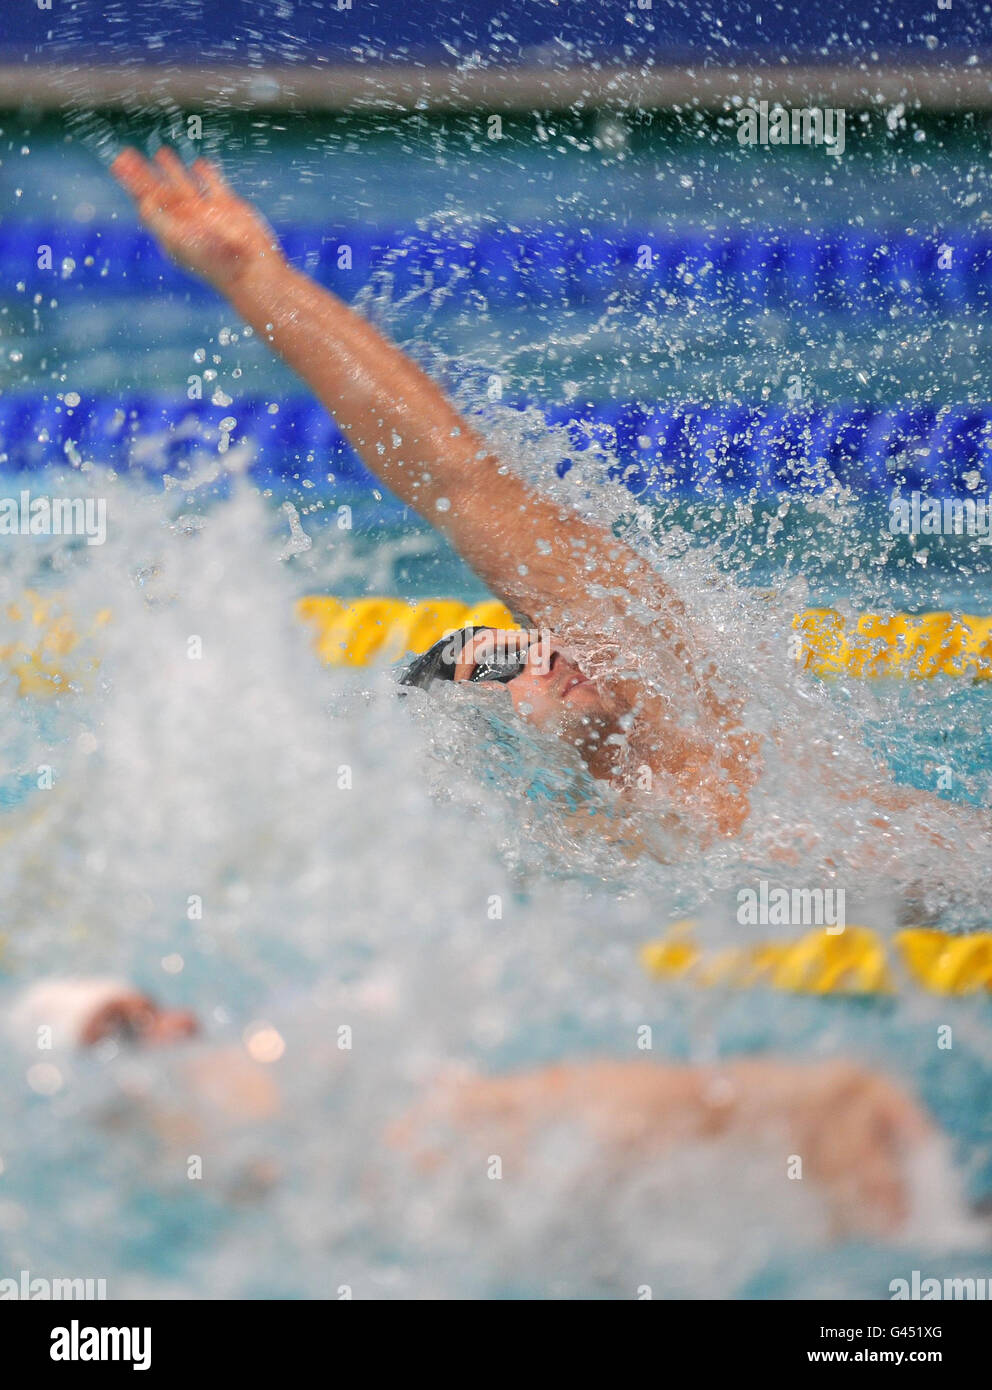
x=210 y=176
x=148 y=179
x=136 y=175
x=173 y=170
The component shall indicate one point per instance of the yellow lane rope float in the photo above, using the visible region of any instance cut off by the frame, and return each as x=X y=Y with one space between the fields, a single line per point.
x=856 y=961
x=357 y=632
x=917 y=645
x=39 y=644
x=360 y=631
x=364 y=631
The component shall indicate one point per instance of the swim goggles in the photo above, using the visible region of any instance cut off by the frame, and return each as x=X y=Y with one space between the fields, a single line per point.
x=439 y=661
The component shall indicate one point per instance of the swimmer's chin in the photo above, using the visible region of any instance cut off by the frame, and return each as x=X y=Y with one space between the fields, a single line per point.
x=583 y=693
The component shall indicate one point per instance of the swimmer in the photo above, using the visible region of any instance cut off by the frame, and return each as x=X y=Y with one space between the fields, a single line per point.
x=591 y=602
x=83 y=1012
x=58 y=1017
x=858 y=1134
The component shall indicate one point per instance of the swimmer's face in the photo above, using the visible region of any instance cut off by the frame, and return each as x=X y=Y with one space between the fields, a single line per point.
x=550 y=689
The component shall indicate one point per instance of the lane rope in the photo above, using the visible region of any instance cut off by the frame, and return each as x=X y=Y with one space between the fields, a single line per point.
x=357 y=632
x=838 y=269
x=45 y=652
x=857 y=961
x=699 y=449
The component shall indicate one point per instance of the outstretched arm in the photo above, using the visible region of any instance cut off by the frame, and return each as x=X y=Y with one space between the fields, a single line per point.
x=545 y=562
x=859 y=1134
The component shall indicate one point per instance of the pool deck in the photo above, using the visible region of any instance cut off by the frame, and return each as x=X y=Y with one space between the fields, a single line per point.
x=326 y=86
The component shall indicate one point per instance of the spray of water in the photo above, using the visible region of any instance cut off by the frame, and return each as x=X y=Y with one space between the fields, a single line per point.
x=293 y=852
x=360 y=894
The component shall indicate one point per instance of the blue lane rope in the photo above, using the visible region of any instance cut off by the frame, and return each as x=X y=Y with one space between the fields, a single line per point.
x=842 y=270
x=712 y=450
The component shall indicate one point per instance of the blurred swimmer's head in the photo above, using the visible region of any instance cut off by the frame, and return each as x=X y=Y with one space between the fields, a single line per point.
x=546 y=686
x=84 y=1011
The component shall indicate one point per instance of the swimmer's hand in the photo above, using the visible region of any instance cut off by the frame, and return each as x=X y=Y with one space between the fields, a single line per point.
x=196 y=218
x=547 y=563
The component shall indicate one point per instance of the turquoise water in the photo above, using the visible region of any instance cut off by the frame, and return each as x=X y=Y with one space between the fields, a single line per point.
x=907 y=176
x=924 y=176
x=219 y=779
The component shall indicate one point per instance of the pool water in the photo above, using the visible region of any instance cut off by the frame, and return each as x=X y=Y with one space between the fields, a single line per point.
x=290 y=850
x=914 y=176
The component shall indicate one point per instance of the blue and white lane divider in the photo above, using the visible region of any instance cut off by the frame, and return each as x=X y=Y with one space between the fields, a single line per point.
x=842 y=270
x=709 y=449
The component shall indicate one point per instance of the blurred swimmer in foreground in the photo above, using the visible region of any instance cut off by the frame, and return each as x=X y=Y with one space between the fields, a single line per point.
x=864 y=1144
x=590 y=602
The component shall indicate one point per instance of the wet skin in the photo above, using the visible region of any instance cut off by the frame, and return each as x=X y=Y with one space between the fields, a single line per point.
x=541 y=559
x=549 y=684
x=553 y=693
x=561 y=570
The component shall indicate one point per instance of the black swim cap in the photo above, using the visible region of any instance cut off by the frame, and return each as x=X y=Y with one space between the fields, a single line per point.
x=438 y=663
